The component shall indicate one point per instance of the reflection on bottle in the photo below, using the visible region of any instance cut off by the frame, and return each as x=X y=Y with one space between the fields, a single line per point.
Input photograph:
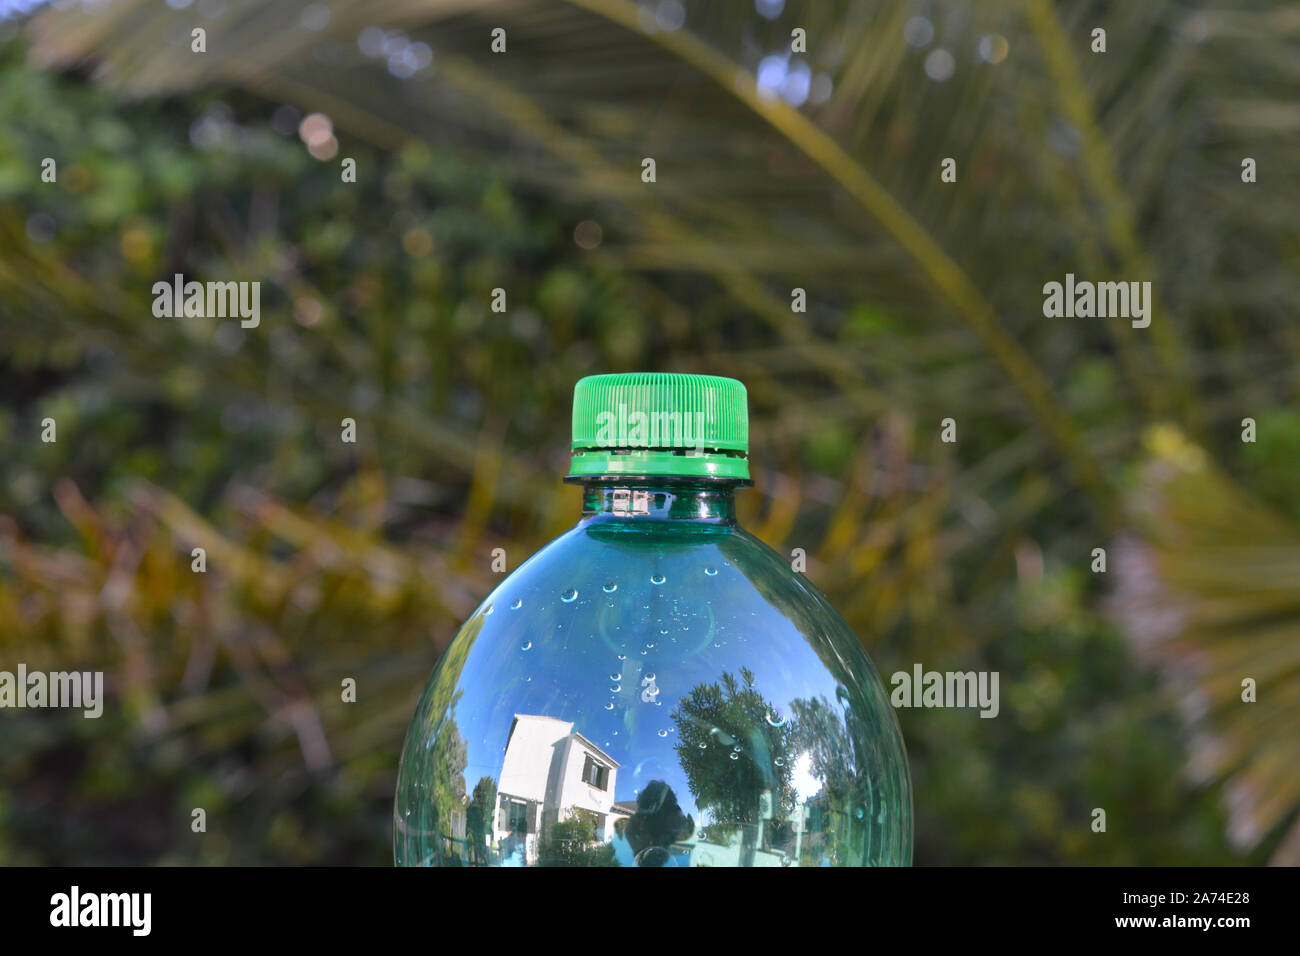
x=555 y=796
x=656 y=826
x=766 y=792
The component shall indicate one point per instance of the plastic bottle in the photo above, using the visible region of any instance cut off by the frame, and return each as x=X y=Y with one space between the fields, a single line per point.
x=656 y=687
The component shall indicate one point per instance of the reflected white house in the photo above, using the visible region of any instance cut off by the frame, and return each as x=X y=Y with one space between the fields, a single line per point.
x=551 y=773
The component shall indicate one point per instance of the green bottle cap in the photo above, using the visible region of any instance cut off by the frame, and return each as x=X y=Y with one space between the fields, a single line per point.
x=660 y=424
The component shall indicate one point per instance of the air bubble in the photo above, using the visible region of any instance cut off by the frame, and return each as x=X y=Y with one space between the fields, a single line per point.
x=774 y=718
x=663 y=733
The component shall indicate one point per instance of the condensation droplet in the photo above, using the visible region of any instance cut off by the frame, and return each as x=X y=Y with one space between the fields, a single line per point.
x=615 y=688
x=489 y=609
x=735 y=756
x=517 y=605
x=610 y=588
x=711 y=571
x=526 y=645
x=663 y=733
x=615 y=676
x=657 y=579
x=774 y=717
x=569 y=596
x=610 y=705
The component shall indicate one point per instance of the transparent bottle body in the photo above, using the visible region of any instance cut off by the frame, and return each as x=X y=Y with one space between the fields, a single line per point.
x=656 y=687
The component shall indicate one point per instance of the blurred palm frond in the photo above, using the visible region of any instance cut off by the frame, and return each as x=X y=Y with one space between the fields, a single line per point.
x=1206 y=587
x=775 y=171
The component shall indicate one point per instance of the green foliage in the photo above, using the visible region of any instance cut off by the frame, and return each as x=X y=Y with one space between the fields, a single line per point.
x=573 y=842
x=478 y=818
x=447 y=761
x=329 y=560
x=726 y=715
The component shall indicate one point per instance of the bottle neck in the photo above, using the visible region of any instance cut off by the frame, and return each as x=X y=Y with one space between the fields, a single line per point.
x=660 y=499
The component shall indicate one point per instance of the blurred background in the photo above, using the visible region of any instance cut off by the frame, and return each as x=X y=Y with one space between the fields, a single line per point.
x=775 y=171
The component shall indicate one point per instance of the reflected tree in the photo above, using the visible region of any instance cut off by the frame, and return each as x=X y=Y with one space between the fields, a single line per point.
x=819 y=732
x=447 y=762
x=478 y=819
x=734 y=747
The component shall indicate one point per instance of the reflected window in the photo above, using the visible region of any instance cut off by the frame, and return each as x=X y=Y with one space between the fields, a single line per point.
x=595 y=774
x=518 y=817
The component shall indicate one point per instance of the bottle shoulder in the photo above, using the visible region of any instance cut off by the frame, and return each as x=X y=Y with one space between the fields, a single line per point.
x=720 y=565
x=628 y=543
